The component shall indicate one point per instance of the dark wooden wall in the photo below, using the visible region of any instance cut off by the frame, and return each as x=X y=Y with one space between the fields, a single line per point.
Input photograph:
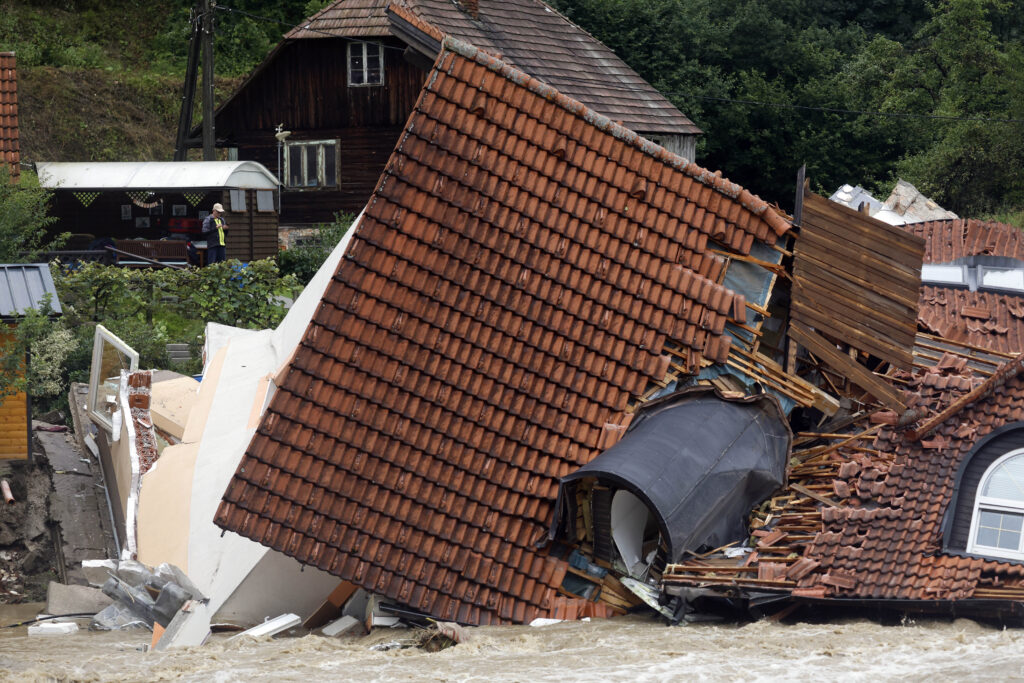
x=252 y=234
x=304 y=87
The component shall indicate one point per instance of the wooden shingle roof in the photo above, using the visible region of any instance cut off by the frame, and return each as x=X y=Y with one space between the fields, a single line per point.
x=514 y=280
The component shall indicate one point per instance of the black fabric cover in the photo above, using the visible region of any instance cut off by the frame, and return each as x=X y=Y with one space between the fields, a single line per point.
x=699 y=461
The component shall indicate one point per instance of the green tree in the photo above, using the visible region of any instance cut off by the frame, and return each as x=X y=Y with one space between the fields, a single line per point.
x=24 y=217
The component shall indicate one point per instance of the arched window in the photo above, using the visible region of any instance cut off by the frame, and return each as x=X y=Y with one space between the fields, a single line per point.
x=997 y=525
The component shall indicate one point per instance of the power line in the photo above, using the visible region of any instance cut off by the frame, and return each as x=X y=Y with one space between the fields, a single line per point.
x=258 y=17
x=674 y=93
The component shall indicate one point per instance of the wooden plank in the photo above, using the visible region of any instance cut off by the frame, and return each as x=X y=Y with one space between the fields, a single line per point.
x=895 y=255
x=816 y=496
x=853 y=335
x=881 y=233
x=856 y=372
x=881 y=292
x=853 y=260
x=898 y=329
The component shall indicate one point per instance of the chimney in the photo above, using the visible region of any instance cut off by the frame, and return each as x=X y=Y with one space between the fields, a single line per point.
x=472 y=7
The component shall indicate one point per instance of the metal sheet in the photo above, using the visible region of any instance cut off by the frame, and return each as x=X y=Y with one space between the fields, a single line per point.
x=155 y=175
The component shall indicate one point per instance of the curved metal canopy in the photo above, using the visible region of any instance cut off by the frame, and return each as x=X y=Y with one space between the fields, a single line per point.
x=155 y=175
x=699 y=461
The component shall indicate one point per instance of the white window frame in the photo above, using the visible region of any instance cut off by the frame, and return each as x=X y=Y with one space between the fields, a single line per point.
x=104 y=337
x=358 y=49
x=992 y=504
x=320 y=147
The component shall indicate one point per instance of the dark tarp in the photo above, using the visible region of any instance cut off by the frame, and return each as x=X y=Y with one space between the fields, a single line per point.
x=700 y=462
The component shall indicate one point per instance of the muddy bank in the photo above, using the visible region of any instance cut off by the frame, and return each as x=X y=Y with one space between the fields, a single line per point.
x=627 y=648
x=27 y=556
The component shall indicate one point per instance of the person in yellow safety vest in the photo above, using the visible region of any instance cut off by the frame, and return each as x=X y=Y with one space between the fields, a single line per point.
x=214 y=227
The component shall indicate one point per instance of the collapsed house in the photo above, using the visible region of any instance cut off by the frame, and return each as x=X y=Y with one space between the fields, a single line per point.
x=550 y=371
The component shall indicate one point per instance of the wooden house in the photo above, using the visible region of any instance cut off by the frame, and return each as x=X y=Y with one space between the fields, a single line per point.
x=327 y=105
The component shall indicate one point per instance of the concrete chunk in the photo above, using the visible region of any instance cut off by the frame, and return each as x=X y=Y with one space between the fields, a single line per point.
x=63 y=599
x=98 y=571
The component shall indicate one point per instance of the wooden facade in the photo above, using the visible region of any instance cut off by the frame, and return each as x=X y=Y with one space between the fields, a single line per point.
x=303 y=86
x=253 y=233
x=15 y=414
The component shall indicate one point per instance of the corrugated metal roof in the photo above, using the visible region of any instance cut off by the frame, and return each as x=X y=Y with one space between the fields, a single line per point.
x=516 y=277
x=23 y=286
x=155 y=175
x=9 y=145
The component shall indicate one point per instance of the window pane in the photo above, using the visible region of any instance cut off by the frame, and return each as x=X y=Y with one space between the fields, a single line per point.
x=999 y=529
x=355 y=65
x=330 y=166
x=295 y=166
x=1007 y=481
x=264 y=200
x=953 y=275
x=311 y=166
x=1003 y=278
x=372 y=50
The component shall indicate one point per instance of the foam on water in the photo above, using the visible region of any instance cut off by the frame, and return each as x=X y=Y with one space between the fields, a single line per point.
x=630 y=648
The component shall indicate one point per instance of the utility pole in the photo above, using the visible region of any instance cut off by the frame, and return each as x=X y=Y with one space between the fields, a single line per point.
x=208 y=137
x=201 y=41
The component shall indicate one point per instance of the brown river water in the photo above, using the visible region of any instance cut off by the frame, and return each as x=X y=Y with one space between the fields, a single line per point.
x=633 y=648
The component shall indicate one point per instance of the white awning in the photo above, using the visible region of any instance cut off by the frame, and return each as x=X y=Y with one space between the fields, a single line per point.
x=155 y=175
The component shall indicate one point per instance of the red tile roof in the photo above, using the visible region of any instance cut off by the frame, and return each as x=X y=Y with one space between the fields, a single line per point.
x=993 y=320
x=887 y=537
x=514 y=279
x=9 y=146
x=527 y=34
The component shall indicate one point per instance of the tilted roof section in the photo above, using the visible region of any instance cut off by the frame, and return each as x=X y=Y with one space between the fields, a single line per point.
x=24 y=286
x=514 y=279
x=155 y=175
x=10 y=150
x=529 y=35
x=989 y=319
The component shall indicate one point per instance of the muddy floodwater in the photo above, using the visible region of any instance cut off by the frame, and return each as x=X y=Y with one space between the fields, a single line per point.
x=626 y=649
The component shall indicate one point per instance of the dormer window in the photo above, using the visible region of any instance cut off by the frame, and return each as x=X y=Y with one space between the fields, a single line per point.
x=997 y=526
x=365 y=63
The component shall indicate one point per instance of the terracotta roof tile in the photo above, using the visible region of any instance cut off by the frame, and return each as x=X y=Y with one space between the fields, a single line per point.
x=9 y=139
x=477 y=338
x=989 y=319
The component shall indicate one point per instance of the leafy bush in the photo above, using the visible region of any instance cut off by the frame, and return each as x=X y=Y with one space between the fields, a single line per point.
x=146 y=308
x=24 y=217
x=305 y=259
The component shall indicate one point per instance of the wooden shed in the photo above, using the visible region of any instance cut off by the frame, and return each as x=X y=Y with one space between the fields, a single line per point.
x=164 y=200
x=23 y=287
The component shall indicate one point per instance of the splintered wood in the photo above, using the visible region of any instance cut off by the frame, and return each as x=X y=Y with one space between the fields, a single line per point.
x=782 y=526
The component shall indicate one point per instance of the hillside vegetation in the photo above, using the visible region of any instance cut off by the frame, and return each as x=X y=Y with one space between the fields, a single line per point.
x=862 y=92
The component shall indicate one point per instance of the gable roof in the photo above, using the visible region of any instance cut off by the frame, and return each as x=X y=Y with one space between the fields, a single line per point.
x=517 y=275
x=10 y=150
x=989 y=319
x=526 y=34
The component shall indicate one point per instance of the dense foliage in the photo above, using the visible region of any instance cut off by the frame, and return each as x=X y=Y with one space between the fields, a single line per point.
x=811 y=66
x=24 y=217
x=147 y=309
x=303 y=260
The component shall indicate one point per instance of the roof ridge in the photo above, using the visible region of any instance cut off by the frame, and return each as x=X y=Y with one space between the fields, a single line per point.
x=712 y=179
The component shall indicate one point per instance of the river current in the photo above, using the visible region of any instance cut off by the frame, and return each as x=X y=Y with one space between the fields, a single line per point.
x=633 y=648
